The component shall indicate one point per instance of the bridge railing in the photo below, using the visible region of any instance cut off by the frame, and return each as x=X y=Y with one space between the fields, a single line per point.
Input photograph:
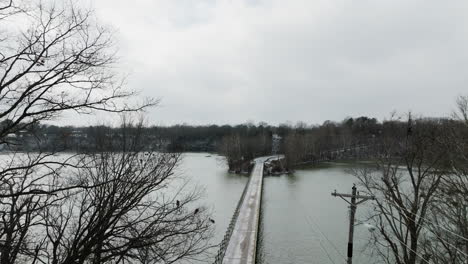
x=224 y=243
x=351 y=152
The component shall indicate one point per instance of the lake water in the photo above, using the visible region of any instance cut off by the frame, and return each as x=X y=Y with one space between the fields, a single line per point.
x=300 y=223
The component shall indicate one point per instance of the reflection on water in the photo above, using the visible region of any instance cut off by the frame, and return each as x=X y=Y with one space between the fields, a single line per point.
x=300 y=222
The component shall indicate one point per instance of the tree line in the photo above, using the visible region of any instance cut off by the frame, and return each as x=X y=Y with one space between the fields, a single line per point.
x=301 y=143
x=236 y=142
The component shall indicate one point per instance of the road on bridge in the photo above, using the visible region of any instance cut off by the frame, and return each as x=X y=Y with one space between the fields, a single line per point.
x=242 y=245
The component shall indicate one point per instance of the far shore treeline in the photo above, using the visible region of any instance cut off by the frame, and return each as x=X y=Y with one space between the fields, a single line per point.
x=182 y=138
x=300 y=142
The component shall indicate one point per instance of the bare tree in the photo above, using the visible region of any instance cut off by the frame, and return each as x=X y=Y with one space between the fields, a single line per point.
x=134 y=214
x=449 y=213
x=231 y=148
x=294 y=148
x=240 y=148
x=404 y=181
x=111 y=206
x=82 y=208
x=462 y=109
x=61 y=61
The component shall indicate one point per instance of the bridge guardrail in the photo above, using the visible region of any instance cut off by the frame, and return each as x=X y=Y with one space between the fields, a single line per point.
x=224 y=243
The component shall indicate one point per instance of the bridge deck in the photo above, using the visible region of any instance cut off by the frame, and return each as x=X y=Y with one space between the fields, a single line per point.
x=242 y=245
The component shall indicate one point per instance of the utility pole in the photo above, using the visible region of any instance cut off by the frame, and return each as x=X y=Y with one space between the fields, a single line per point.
x=353 y=205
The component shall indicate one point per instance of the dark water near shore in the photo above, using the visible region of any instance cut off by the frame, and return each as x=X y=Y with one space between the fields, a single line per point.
x=300 y=223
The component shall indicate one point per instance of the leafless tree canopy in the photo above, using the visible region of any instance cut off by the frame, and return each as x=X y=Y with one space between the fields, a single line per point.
x=240 y=148
x=59 y=59
x=404 y=181
x=462 y=109
x=448 y=223
x=110 y=207
x=419 y=182
x=123 y=206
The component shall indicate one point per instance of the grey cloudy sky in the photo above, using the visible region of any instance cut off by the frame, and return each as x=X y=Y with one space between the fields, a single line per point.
x=230 y=61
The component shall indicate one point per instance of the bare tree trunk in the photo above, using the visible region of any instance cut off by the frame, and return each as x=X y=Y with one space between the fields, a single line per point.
x=404 y=182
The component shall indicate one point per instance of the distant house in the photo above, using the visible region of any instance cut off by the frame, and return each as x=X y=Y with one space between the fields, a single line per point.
x=78 y=134
x=11 y=136
x=77 y=138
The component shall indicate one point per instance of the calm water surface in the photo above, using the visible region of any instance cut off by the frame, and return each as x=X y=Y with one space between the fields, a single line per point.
x=222 y=190
x=301 y=222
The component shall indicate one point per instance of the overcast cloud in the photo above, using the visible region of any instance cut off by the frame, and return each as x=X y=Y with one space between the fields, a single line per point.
x=231 y=61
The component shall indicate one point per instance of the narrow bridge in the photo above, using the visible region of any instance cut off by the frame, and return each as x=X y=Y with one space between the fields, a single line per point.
x=240 y=242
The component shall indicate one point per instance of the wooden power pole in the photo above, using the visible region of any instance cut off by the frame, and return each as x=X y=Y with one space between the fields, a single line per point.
x=353 y=205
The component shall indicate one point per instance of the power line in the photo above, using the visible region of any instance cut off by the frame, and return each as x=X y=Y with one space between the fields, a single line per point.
x=318 y=240
x=326 y=238
x=320 y=243
x=279 y=250
x=455 y=247
x=449 y=231
x=417 y=254
x=309 y=217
